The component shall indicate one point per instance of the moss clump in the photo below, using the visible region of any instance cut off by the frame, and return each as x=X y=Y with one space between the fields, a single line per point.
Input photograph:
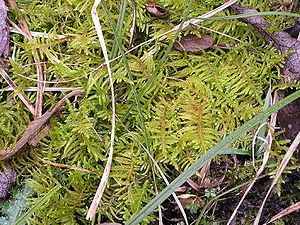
x=181 y=110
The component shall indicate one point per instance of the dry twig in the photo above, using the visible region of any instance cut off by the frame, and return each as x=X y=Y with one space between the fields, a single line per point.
x=35 y=126
x=14 y=87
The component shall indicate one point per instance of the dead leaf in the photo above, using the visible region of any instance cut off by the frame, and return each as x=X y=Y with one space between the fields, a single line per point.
x=186 y=198
x=193 y=184
x=289 y=117
x=193 y=43
x=181 y=189
x=209 y=183
x=203 y=173
x=4 y=30
x=156 y=10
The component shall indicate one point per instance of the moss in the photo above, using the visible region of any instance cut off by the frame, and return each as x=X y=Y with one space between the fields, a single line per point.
x=191 y=103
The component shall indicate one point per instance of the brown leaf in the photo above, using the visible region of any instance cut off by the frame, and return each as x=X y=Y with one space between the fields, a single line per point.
x=181 y=189
x=193 y=184
x=185 y=198
x=156 y=10
x=4 y=30
x=193 y=43
x=209 y=183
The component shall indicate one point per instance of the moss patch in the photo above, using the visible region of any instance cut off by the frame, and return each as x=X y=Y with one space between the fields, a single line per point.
x=187 y=105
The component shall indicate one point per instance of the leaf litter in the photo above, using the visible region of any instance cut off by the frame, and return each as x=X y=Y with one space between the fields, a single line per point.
x=193 y=43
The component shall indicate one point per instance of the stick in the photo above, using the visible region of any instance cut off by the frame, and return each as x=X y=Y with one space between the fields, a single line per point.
x=35 y=125
x=14 y=87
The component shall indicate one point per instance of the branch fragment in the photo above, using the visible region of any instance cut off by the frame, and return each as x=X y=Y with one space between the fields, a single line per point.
x=14 y=87
x=35 y=126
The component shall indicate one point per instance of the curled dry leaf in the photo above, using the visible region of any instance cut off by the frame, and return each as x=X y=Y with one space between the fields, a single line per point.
x=186 y=198
x=156 y=10
x=4 y=30
x=193 y=43
x=7 y=179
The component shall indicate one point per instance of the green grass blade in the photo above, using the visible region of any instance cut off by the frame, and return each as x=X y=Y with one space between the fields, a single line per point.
x=217 y=149
x=115 y=47
x=262 y=133
x=236 y=151
x=37 y=205
x=136 y=97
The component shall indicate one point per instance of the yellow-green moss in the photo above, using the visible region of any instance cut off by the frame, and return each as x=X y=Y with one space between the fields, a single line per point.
x=191 y=103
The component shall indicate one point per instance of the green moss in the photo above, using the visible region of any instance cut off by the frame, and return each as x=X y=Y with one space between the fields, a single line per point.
x=191 y=103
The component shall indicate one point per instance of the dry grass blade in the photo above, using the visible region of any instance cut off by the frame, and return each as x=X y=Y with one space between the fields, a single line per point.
x=132 y=28
x=264 y=163
x=40 y=34
x=285 y=212
x=94 y=205
x=215 y=31
x=253 y=144
x=14 y=87
x=282 y=165
x=40 y=77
